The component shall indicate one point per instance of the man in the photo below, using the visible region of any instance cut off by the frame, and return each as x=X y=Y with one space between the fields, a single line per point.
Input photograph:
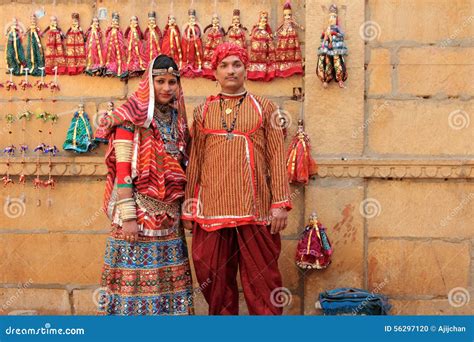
x=237 y=192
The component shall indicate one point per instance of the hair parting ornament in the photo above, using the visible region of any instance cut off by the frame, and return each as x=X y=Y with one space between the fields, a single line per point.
x=162 y=72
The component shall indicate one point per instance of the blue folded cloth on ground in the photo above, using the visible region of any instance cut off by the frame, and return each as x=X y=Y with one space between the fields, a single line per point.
x=353 y=301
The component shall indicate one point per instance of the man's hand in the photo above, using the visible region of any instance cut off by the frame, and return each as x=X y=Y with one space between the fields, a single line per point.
x=279 y=219
x=130 y=230
x=188 y=225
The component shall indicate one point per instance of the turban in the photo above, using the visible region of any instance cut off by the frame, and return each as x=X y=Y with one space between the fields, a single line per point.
x=229 y=49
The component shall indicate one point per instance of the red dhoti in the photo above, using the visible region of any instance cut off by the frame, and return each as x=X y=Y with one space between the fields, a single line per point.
x=219 y=254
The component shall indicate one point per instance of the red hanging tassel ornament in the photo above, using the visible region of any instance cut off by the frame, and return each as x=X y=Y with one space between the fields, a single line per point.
x=299 y=164
x=314 y=249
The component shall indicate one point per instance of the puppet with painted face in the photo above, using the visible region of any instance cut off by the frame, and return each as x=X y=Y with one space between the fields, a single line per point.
x=262 y=52
x=94 y=49
x=115 y=55
x=331 y=64
x=288 y=51
x=79 y=137
x=236 y=32
x=75 y=48
x=54 y=54
x=192 y=47
x=214 y=36
x=136 y=64
x=153 y=39
x=15 y=55
x=34 y=48
x=172 y=41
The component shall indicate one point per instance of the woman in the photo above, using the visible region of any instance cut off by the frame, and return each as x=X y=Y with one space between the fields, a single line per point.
x=146 y=270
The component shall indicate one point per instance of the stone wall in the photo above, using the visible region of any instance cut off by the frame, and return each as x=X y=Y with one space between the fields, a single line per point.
x=395 y=149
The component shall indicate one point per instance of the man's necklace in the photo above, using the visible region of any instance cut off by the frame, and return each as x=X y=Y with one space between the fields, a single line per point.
x=230 y=129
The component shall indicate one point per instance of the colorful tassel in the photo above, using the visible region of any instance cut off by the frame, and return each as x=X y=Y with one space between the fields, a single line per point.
x=300 y=165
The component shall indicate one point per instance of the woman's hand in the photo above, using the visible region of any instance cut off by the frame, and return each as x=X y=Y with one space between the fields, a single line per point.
x=130 y=230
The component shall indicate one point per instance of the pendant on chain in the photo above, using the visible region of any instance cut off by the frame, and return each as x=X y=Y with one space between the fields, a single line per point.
x=171 y=148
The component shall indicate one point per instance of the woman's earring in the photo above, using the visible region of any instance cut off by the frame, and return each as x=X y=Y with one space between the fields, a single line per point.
x=217 y=83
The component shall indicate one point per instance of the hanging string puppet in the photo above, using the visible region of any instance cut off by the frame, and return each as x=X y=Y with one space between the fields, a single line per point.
x=331 y=63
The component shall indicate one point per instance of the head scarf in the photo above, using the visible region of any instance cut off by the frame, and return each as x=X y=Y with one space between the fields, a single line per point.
x=140 y=106
x=229 y=49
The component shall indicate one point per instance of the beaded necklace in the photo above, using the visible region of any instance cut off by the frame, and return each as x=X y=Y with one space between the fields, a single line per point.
x=230 y=129
x=167 y=124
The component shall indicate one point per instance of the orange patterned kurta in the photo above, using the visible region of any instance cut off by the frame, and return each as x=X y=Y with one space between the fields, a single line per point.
x=235 y=182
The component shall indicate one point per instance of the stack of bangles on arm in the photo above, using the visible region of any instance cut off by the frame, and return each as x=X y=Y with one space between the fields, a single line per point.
x=127 y=209
x=123 y=150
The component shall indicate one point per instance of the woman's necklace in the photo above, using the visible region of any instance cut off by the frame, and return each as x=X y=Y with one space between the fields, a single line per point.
x=230 y=129
x=167 y=123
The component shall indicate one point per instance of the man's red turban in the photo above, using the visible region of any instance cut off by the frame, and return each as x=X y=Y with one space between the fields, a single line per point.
x=229 y=49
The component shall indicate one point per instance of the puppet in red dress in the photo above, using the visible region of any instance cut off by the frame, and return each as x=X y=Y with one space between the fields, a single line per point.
x=172 y=41
x=215 y=36
x=54 y=55
x=136 y=64
x=94 y=49
x=115 y=57
x=236 y=32
x=262 y=52
x=75 y=48
x=288 y=51
x=192 y=47
x=152 y=38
